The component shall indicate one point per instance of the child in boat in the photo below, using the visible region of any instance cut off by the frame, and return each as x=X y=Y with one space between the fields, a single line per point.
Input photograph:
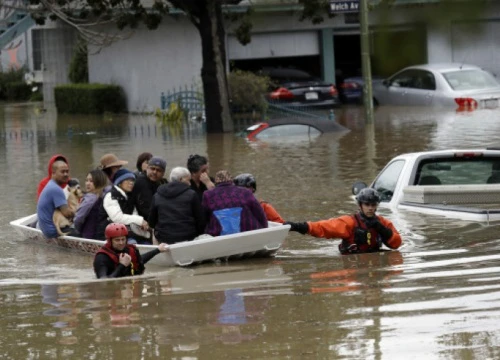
x=248 y=181
x=117 y=259
x=87 y=214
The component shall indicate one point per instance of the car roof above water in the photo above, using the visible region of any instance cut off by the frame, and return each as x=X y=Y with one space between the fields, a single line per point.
x=449 y=152
x=444 y=67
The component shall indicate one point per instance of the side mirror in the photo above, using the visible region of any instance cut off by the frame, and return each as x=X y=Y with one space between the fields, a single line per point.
x=385 y=82
x=358 y=186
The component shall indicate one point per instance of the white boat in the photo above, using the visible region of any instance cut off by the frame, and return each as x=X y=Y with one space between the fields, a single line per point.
x=256 y=243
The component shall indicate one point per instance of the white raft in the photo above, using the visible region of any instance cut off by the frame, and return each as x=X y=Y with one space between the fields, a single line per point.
x=249 y=244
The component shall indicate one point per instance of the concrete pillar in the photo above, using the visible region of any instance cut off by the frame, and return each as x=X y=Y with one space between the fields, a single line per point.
x=327 y=55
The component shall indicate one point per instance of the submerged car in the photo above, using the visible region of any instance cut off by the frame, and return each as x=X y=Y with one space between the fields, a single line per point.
x=294 y=87
x=351 y=89
x=290 y=127
x=459 y=86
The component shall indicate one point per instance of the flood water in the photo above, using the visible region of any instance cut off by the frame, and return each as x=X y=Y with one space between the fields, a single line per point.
x=436 y=298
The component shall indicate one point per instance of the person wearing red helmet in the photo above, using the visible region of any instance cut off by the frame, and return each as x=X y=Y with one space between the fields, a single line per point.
x=116 y=258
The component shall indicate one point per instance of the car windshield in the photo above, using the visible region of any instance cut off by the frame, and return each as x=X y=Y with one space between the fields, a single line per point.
x=470 y=79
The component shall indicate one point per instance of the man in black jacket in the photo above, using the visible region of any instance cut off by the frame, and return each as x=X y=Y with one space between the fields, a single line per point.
x=147 y=185
x=176 y=213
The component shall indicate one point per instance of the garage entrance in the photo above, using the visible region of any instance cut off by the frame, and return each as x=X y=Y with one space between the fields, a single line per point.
x=299 y=49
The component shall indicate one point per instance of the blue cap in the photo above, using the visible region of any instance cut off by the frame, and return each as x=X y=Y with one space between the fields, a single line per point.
x=122 y=175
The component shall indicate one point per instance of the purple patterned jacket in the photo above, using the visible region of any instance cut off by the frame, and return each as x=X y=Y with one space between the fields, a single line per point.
x=227 y=195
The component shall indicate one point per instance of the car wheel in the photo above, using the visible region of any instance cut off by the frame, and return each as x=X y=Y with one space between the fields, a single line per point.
x=375 y=102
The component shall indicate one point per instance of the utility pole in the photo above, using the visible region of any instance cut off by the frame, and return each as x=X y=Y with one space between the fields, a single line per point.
x=365 y=61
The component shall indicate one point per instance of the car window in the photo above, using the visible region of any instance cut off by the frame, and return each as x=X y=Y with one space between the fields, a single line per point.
x=415 y=79
x=477 y=170
x=424 y=80
x=386 y=182
x=288 y=130
x=470 y=79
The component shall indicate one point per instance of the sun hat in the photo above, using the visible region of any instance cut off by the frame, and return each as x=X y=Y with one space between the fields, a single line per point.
x=122 y=175
x=158 y=161
x=110 y=160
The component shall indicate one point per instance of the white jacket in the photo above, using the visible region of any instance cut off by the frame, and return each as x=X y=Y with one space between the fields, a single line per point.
x=115 y=212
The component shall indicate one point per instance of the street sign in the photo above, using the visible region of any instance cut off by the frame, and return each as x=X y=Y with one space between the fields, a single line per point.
x=344 y=6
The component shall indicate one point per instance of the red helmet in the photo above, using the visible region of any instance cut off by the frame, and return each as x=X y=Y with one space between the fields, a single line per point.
x=115 y=230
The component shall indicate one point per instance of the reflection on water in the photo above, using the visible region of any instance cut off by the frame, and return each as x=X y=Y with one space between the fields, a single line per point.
x=436 y=298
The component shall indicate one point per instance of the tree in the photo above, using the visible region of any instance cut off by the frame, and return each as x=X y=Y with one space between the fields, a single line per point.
x=206 y=16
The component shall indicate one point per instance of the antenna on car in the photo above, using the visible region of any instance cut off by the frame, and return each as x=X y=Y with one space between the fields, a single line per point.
x=463 y=60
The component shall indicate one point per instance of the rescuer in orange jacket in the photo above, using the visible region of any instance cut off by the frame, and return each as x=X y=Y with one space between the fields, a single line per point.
x=360 y=233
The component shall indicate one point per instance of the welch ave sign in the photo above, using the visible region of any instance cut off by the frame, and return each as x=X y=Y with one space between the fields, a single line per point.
x=343 y=6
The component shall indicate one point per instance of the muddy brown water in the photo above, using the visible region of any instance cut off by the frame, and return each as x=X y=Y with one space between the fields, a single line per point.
x=436 y=298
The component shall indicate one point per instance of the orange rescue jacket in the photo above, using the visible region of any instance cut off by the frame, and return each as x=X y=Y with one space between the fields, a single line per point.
x=344 y=227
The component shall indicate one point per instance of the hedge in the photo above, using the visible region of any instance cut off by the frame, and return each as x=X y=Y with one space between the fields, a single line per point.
x=89 y=98
x=17 y=91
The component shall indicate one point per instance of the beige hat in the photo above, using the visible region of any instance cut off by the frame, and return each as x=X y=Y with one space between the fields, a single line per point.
x=110 y=160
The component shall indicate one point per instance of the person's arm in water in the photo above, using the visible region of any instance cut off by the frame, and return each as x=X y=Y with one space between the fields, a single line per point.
x=390 y=236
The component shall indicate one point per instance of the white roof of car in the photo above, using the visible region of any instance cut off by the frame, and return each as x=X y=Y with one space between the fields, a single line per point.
x=448 y=152
x=444 y=67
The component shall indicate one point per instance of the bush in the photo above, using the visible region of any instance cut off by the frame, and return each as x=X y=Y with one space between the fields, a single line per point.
x=17 y=91
x=247 y=91
x=78 y=68
x=89 y=98
x=11 y=76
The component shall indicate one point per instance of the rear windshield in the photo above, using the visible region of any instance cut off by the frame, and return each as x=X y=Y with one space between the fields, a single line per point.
x=459 y=171
x=470 y=79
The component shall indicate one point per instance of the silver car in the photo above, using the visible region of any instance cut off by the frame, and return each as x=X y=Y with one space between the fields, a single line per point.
x=458 y=86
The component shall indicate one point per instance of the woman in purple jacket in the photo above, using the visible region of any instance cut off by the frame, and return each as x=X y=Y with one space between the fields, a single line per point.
x=231 y=209
x=87 y=214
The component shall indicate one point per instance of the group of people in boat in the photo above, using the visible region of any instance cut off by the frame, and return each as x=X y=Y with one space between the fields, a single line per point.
x=125 y=208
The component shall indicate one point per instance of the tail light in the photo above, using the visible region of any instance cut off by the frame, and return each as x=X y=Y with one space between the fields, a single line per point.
x=333 y=91
x=281 y=93
x=466 y=104
x=350 y=85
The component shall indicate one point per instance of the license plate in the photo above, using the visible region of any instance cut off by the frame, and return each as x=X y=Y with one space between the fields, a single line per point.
x=491 y=103
x=311 y=96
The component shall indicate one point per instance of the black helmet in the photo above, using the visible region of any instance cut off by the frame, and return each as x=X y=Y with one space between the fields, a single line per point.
x=368 y=195
x=245 y=180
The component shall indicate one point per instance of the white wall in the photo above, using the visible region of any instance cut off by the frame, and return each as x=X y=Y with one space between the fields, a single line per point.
x=150 y=62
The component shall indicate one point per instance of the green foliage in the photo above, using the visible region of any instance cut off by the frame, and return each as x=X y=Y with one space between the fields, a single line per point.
x=11 y=76
x=78 y=68
x=36 y=96
x=247 y=90
x=89 y=98
x=315 y=10
x=175 y=114
x=17 y=91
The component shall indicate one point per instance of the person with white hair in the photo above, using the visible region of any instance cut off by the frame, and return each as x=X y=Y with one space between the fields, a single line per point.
x=176 y=214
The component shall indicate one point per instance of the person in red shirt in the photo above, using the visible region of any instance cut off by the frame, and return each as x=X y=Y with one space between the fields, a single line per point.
x=248 y=181
x=362 y=232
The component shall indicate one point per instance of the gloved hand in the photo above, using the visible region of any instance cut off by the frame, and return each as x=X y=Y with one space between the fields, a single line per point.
x=383 y=231
x=300 y=227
